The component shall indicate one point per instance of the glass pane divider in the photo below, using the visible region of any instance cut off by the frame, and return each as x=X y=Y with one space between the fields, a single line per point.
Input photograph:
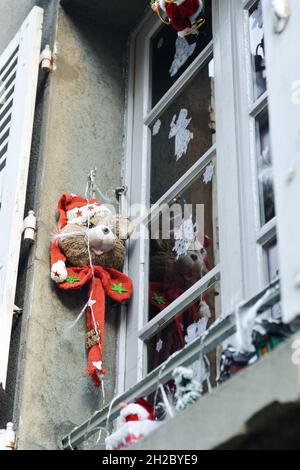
x=181 y=83
x=259 y=106
x=221 y=330
x=161 y=320
x=267 y=232
x=179 y=186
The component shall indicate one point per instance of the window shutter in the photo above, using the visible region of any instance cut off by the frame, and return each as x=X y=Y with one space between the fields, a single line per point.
x=19 y=65
x=283 y=67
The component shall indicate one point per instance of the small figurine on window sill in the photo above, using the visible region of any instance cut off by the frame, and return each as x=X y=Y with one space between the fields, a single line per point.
x=135 y=422
x=183 y=15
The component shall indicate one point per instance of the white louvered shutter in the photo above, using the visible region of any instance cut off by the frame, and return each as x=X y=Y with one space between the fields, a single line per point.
x=19 y=65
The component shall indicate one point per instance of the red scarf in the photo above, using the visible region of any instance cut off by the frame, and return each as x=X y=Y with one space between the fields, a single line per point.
x=107 y=281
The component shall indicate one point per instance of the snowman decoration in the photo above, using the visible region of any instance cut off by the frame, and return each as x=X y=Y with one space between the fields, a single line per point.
x=184 y=15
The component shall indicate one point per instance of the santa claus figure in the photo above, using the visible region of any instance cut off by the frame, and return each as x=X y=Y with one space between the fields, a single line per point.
x=183 y=14
x=135 y=422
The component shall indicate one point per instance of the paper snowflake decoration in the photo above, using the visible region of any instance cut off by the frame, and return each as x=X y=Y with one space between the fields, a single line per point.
x=160 y=43
x=156 y=127
x=209 y=173
x=185 y=236
x=179 y=130
x=159 y=345
x=184 y=51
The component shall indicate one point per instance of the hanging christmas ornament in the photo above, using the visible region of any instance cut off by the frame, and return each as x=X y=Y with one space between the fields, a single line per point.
x=183 y=15
x=135 y=422
x=88 y=248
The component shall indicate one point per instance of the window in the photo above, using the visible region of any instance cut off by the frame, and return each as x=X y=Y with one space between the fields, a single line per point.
x=18 y=80
x=200 y=138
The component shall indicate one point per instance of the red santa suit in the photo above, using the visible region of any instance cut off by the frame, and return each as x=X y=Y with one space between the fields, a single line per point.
x=136 y=421
x=182 y=14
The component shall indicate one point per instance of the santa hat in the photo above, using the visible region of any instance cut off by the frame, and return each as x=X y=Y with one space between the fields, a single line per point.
x=141 y=410
x=77 y=210
x=72 y=210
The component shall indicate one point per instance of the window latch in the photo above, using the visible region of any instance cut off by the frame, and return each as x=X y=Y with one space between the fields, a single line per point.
x=282 y=14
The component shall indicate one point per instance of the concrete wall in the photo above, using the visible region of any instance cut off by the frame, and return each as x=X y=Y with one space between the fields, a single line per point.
x=79 y=126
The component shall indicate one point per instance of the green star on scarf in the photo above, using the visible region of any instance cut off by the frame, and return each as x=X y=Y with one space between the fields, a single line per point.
x=72 y=279
x=118 y=288
x=159 y=299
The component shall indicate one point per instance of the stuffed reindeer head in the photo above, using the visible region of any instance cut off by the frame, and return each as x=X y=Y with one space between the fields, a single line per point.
x=88 y=233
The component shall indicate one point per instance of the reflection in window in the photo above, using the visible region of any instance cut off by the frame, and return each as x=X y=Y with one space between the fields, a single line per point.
x=257 y=47
x=265 y=171
x=183 y=133
x=183 y=246
x=172 y=55
x=186 y=327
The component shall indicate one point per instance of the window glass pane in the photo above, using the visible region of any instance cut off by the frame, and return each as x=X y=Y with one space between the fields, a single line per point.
x=172 y=55
x=183 y=245
x=183 y=133
x=273 y=261
x=271 y=251
x=265 y=171
x=257 y=47
x=186 y=327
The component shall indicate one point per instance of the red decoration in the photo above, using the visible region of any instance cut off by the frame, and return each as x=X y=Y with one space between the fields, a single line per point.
x=98 y=287
x=101 y=281
x=180 y=14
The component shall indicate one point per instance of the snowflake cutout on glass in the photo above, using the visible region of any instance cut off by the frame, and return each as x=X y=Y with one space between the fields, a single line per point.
x=159 y=345
x=185 y=236
x=183 y=52
x=160 y=43
x=209 y=173
x=156 y=127
x=179 y=130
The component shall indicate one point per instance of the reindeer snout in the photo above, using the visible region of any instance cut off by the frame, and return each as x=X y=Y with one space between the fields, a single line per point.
x=101 y=239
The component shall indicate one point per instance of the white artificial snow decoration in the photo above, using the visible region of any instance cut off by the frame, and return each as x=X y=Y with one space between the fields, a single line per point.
x=209 y=173
x=245 y=322
x=156 y=127
x=195 y=330
x=160 y=43
x=159 y=345
x=182 y=135
x=188 y=390
x=266 y=171
x=183 y=51
x=185 y=236
x=257 y=16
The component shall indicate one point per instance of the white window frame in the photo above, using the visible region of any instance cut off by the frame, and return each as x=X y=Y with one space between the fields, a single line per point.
x=28 y=39
x=242 y=238
x=140 y=117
